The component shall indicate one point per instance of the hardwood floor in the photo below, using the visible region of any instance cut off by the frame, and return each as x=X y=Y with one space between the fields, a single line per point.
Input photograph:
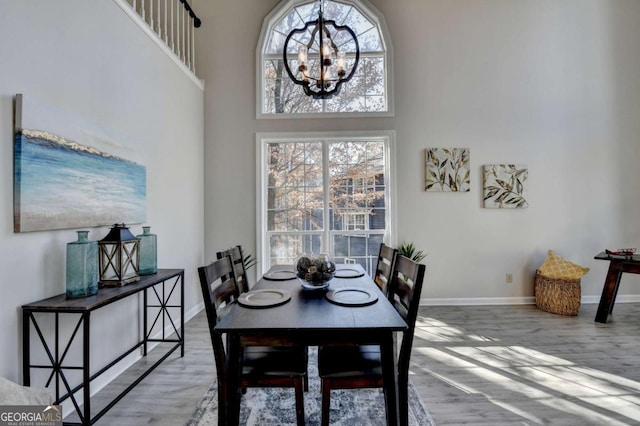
x=489 y=365
x=517 y=365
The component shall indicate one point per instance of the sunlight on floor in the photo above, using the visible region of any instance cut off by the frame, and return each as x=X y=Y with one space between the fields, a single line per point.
x=437 y=331
x=495 y=371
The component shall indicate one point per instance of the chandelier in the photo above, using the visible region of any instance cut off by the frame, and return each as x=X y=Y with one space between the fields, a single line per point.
x=322 y=57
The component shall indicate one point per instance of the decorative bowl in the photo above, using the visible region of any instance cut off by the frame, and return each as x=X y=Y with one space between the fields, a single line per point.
x=315 y=271
x=621 y=252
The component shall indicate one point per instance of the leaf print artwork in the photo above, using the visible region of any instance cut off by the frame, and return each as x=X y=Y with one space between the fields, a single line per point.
x=447 y=170
x=505 y=186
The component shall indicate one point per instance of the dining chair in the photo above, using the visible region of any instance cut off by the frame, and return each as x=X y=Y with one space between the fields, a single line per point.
x=353 y=367
x=237 y=257
x=386 y=259
x=261 y=366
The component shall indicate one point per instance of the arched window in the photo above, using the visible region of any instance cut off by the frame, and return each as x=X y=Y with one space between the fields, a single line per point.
x=367 y=93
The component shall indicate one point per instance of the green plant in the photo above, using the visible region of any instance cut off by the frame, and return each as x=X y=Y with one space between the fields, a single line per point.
x=409 y=250
x=249 y=261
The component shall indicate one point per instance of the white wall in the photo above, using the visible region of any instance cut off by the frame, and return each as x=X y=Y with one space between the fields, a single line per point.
x=90 y=60
x=553 y=84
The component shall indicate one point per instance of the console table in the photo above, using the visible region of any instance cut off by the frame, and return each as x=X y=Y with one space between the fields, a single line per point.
x=162 y=285
x=617 y=265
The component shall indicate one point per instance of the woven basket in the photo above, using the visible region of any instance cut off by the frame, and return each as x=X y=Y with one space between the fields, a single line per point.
x=557 y=295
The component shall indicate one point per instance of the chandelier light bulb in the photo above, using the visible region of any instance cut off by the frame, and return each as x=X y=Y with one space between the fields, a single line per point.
x=341 y=61
x=326 y=52
x=302 y=57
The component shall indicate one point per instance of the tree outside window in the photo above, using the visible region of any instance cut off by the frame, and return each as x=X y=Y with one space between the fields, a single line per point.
x=339 y=205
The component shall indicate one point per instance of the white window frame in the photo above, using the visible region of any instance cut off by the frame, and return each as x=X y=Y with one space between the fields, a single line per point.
x=354 y=219
x=263 y=139
x=278 y=13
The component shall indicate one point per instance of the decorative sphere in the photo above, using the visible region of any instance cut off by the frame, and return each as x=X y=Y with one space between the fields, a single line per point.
x=315 y=270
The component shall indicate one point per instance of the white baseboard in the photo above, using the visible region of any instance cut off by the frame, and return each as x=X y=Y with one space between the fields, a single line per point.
x=622 y=298
x=193 y=311
x=530 y=300
x=478 y=301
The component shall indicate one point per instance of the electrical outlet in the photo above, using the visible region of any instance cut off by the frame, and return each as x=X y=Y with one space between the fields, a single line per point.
x=509 y=278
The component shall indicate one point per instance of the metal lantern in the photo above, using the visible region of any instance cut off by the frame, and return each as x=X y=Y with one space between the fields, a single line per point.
x=119 y=257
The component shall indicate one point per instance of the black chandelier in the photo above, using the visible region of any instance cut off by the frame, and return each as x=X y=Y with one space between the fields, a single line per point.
x=322 y=77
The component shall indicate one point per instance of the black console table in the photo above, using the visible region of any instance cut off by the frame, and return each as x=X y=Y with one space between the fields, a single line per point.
x=162 y=284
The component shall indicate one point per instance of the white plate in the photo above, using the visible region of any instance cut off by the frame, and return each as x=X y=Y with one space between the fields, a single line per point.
x=264 y=298
x=352 y=297
x=279 y=275
x=348 y=273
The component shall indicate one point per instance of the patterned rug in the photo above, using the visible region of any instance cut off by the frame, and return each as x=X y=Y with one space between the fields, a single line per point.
x=276 y=406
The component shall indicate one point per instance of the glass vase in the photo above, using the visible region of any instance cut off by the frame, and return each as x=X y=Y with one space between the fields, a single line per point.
x=148 y=252
x=314 y=271
x=82 y=267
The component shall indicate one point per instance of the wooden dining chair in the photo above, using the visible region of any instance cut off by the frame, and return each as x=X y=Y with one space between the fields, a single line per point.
x=237 y=257
x=386 y=259
x=261 y=366
x=353 y=367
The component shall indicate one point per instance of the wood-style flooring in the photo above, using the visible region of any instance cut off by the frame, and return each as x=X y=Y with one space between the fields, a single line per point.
x=489 y=365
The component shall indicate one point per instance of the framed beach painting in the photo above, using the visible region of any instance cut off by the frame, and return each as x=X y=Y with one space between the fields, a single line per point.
x=71 y=175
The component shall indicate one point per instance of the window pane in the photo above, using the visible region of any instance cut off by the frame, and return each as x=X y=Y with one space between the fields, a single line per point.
x=276 y=220
x=276 y=41
x=354 y=170
x=284 y=249
x=375 y=103
x=373 y=70
x=295 y=197
x=377 y=219
x=340 y=247
x=363 y=249
x=370 y=41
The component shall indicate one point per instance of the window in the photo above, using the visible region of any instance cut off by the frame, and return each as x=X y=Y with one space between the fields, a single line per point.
x=368 y=92
x=354 y=221
x=324 y=193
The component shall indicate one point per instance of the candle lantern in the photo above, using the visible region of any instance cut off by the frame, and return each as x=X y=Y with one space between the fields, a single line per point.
x=119 y=257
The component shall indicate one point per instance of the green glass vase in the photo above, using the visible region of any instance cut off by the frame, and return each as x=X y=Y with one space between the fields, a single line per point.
x=148 y=252
x=82 y=267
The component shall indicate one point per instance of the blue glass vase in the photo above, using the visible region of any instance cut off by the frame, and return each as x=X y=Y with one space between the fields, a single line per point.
x=148 y=252
x=82 y=267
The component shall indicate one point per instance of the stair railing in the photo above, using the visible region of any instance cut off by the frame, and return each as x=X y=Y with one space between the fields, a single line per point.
x=174 y=22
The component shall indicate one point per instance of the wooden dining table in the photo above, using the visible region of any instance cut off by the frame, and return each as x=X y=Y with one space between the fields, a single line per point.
x=309 y=318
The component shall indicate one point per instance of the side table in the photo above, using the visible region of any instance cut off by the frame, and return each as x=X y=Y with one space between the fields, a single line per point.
x=617 y=265
x=162 y=284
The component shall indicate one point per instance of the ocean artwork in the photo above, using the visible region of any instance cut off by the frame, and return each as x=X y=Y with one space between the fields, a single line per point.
x=60 y=183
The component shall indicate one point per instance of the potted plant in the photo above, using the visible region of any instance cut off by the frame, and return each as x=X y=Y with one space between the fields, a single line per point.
x=410 y=251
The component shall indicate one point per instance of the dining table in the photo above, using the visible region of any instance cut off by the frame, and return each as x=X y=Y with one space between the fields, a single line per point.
x=280 y=310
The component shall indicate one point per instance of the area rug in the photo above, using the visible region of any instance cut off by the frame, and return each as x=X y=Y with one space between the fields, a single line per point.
x=276 y=406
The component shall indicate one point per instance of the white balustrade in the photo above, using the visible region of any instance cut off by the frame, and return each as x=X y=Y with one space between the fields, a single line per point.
x=174 y=22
